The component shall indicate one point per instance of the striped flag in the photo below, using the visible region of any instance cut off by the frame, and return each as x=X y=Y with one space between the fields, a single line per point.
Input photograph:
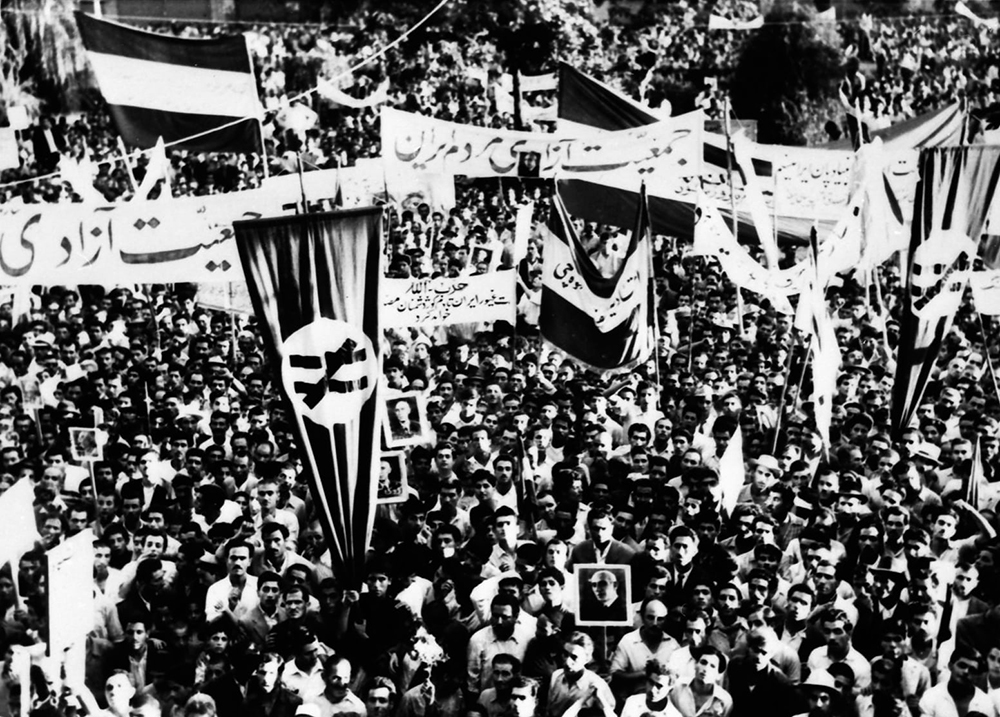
x=314 y=281
x=604 y=322
x=953 y=198
x=171 y=87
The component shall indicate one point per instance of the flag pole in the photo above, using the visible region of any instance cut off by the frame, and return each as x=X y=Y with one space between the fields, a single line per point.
x=986 y=356
x=128 y=165
x=732 y=208
x=653 y=303
x=784 y=395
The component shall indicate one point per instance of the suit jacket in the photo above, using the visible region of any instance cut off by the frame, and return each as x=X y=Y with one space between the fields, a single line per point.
x=979 y=631
x=158 y=660
x=280 y=703
x=618 y=553
x=976 y=607
x=771 y=693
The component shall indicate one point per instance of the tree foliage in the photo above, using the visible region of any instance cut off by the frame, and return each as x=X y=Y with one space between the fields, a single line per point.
x=783 y=68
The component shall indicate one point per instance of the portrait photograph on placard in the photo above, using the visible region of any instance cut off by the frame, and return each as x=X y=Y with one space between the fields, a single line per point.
x=392 y=481
x=605 y=595
x=84 y=446
x=405 y=421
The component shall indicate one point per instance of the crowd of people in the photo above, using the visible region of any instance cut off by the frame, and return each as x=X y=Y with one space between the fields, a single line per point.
x=559 y=546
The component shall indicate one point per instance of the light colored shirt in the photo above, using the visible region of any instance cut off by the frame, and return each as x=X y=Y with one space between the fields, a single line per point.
x=563 y=692
x=307 y=685
x=484 y=645
x=632 y=653
x=819 y=659
x=635 y=706
x=936 y=702
x=219 y=592
x=351 y=705
x=719 y=703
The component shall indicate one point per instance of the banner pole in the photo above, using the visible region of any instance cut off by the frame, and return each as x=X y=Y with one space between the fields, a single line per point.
x=784 y=394
x=732 y=209
x=128 y=165
x=986 y=356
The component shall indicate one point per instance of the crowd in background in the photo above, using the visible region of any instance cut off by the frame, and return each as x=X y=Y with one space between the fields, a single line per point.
x=853 y=582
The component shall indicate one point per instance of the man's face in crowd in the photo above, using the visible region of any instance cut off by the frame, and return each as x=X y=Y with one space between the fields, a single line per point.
x=238 y=561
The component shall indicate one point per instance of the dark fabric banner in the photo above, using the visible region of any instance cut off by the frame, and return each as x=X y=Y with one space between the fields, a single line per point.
x=314 y=282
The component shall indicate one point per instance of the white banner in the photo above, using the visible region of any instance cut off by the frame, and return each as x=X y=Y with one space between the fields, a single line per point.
x=986 y=291
x=431 y=145
x=437 y=302
x=71 y=599
x=538 y=83
x=372 y=181
x=717 y=22
x=182 y=239
x=331 y=92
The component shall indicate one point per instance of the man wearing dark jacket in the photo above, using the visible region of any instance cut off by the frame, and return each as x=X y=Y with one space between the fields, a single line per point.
x=265 y=695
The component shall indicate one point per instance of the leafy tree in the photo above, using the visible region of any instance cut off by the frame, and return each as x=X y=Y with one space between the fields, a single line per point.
x=783 y=68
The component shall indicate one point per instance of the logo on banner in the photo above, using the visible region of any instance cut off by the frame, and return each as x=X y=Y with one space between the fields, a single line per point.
x=329 y=371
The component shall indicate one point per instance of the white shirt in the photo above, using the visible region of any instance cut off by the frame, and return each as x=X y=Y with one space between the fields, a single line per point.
x=819 y=659
x=632 y=653
x=936 y=702
x=635 y=706
x=219 y=592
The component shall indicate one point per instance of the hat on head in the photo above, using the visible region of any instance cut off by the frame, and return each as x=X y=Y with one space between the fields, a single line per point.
x=763 y=549
x=821 y=680
x=928 y=452
x=770 y=463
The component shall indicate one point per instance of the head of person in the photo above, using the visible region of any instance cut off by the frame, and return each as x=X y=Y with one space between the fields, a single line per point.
x=380 y=697
x=268 y=671
x=504 y=611
x=709 y=663
x=604 y=585
x=966 y=666
x=337 y=676
x=523 y=696
x=578 y=651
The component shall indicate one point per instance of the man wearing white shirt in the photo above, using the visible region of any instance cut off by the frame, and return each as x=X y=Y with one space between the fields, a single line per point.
x=637 y=648
x=837 y=628
x=237 y=592
x=959 y=696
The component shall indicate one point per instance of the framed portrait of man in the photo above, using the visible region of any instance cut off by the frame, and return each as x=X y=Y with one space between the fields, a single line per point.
x=84 y=446
x=605 y=595
x=405 y=421
x=392 y=482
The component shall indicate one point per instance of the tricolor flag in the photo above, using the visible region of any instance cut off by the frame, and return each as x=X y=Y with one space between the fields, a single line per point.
x=175 y=88
x=602 y=321
x=314 y=282
x=588 y=105
x=954 y=193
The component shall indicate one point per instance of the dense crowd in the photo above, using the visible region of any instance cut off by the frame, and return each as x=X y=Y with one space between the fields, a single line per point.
x=559 y=546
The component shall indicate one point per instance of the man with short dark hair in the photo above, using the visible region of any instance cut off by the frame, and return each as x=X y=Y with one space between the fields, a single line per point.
x=837 y=629
x=958 y=695
x=237 y=592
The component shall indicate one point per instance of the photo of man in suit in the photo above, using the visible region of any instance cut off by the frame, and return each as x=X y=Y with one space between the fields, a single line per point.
x=404 y=425
x=603 y=594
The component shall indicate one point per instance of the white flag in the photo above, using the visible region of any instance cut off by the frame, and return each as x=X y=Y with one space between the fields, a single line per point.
x=17 y=516
x=732 y=472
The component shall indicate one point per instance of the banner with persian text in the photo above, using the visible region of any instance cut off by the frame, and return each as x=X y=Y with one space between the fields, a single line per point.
x=442 y=301
x=432 y=145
